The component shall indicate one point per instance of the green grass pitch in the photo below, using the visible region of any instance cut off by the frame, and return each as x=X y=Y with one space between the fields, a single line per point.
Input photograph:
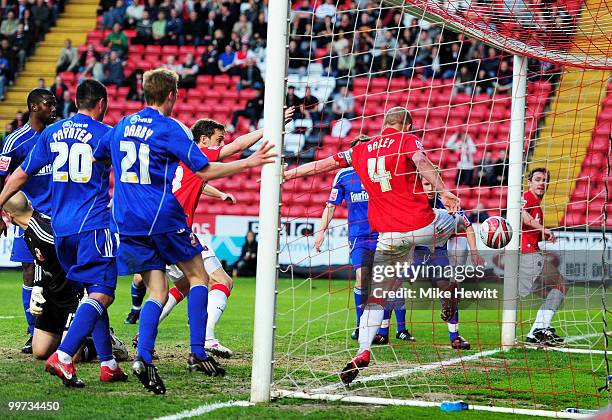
x=318 y=315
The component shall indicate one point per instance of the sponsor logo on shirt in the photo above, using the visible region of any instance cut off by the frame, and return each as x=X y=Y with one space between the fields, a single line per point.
x=46 y=170
x=359 y=197
x=334 y=194
x=5 y=161
x=137 y=118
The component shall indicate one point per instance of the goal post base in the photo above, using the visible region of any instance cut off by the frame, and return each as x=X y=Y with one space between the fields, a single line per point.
x=281 y=393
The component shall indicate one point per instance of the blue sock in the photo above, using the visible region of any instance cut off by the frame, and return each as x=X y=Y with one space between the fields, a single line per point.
x=197 y=302
x=26 y=293
x=101 y=338
x=84 y=321
x=453 y=326
x=359 y=295
x=384 y=326
x=147 y=330
x=400 y=315
x=138 y=294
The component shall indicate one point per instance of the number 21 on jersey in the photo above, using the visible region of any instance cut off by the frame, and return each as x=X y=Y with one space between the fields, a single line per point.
x=378 y=173
x=130 y=159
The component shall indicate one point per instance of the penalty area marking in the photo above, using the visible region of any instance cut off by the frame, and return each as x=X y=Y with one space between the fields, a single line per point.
x=204 y=409
x=451 y=362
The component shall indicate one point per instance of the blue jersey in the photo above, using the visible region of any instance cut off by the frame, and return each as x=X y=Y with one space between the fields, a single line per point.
x=347 y=187
x=79 y=187
x=145 y=149
x=15 y=149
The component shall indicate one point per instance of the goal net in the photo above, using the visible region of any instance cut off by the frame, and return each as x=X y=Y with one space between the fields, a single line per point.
x=451 y=64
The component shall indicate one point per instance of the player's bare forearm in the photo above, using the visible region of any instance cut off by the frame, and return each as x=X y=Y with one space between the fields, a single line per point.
x=312 y=168
x=211 y=191
x=531 y=221
x=241 y=143
x=471 y=239
x=328 y=215
x=216 y=170
x=14 y=184
x=428 y=171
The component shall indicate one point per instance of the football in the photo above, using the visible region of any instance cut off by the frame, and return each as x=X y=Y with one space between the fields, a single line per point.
x=495 y=232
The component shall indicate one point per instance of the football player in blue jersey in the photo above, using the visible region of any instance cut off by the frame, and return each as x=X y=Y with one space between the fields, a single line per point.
x=41 y=106
x=145 y=149
x=440 y=257
x=80 y=220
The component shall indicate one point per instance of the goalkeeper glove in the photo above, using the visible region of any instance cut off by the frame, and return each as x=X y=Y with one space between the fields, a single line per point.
x=37 y=301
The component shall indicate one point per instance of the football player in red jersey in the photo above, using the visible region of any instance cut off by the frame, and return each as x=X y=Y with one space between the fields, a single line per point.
x=389 y=166
x=188 y=188
x=536 y=274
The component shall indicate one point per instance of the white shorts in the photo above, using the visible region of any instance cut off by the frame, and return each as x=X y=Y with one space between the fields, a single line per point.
x=530 y=267
x=458 y=250
x=211 y=264
x=397 y=247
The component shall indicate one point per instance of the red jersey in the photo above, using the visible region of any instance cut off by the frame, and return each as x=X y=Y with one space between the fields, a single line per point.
x=529 y=236
x=397 y=202
x=187 y=187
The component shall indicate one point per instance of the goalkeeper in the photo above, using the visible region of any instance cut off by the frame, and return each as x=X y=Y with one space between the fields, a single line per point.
x=54 y=299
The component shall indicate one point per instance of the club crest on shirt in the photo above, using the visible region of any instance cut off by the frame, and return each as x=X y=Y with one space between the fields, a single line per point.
x=5 y=161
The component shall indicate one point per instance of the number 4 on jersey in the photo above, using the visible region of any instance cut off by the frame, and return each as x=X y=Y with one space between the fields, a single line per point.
x=378 y=173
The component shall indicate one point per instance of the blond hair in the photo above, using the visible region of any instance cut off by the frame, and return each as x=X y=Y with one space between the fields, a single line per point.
x=157 y=85
x=398 y=116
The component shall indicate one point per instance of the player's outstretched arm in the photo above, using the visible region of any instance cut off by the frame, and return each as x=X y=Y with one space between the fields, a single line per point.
x=328 y=215
x=531 y=221
x=247 y=140
x=428 y=171
x=471 y=239
x=14 y=184
x=216 y=170
x=313 y=168
x=214 y=192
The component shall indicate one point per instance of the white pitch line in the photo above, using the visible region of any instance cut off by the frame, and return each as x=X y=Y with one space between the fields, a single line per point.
x=437 y=365
x=206 y=408
x=8 y=317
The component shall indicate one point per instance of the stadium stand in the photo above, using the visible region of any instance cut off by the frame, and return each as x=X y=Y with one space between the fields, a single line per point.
x=223 y=37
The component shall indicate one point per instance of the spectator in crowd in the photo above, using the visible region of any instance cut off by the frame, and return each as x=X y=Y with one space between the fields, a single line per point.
x=247 y=262
x=152 y=8
x=8 y=129
x=22 y=46
x=117 y=40
x=260 y=27
x=171 y=64
x=383 y=63
x=462 y=143
x=297 y=59
x=8 y=27
x=250 y=77
x=41 y=84
x=68 y=107
x=479 y=214
x=115 y=15
x=193 y=30
x=174 y=29
x=488 y=170
x=210 y=61
x=243 y=28
x=343 y=104
x=4 y=66
x=326 y=9
x=68 y=59
x=136 y=93
x=310 y=106
x=134 y=13
x=501 y=169
x=93 y=69
x=188 y=71
x=210 y=26
x=242 y=56
x=84 y=58
x=464 y=82
x=29 y=25
x=7 y=52
x=159 y=29
x=253 y=111
x=19 y=121
x=226 y=61
x=504 y=79
x=346 y=63
x=491 y=63
x=41 y=14
x=484 y=83
x=113 y=70
x=144 y=30
x=292 y=100
x=58 y=88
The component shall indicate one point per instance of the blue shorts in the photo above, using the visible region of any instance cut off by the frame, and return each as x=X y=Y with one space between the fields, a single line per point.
x=20 y=252
x=362 y=251
x=438 y=258
x=89 y=259
x=143 y=253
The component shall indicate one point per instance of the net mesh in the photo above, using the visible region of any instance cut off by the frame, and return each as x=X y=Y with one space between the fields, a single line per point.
x=349 y=63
